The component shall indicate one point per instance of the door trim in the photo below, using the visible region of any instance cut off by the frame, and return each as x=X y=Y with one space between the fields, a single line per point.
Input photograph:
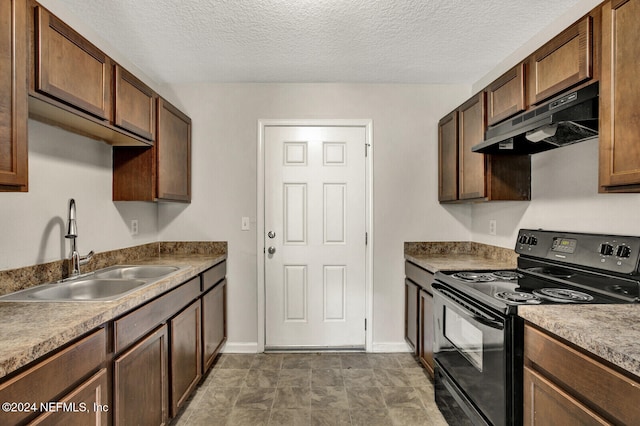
x=367 y=124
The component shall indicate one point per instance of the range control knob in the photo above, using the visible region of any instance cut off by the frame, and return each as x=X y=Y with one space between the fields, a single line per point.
x=523 y=239
x=606 y=249
x=533 y=241
x=623 y=251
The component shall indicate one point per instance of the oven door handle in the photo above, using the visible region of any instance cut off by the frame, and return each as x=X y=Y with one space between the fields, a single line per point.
x=478 y=316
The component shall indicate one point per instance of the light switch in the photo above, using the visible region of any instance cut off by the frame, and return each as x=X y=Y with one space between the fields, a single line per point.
x=245 y=224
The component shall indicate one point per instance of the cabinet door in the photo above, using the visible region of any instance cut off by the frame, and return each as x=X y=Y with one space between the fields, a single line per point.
x=90 y=400
x=69 y=68
x=448 y=158
x=411 y=314
x=214 y=324
x=134 y=104
x=426 y=331
x=140 y=386
x=186 y=354
x=13 y=96
x=547 y=404
x=620 y=96
x=506 y=95
x=565 y=61
x=472 y=125
x=173 y=150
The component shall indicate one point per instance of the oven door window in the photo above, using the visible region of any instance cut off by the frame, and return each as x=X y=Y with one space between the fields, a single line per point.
x=464 y=336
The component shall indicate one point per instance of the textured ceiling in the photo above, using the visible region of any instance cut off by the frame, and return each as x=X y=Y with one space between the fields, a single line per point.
x=385 y=41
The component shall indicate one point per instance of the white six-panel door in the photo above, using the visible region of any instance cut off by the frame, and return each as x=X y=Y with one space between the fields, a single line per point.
x=315 y=229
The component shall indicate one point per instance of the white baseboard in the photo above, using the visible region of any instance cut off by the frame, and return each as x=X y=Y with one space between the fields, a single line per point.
x=240 y=348
x=391 y=347
x=252 y=347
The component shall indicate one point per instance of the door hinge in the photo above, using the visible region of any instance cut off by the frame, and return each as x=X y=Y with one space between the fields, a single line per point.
x=366 y=238
x=365 y=324
x=366 y=149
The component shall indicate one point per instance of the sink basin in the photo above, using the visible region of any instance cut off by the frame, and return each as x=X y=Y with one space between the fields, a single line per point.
x=101 y=286
x=135 y=272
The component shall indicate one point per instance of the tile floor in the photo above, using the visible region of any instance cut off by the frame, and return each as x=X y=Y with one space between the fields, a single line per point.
x=313 y=389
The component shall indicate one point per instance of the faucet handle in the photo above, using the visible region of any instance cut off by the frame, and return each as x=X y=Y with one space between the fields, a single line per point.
x=83 y=260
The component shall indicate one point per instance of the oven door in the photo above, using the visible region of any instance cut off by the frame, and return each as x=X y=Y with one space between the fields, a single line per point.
x=469 y=348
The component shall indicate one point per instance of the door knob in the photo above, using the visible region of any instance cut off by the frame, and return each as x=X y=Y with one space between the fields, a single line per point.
x=271 y=234
x=271 y=250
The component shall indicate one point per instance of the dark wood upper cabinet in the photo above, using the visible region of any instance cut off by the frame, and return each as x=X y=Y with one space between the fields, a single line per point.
x=162 y=172
x=472 y=123
x=506 y=95
x=470 y=176
x=620 y=97
x=448 y=157
x=173 y=147
x=565 y=61
x=13 y=96
x=69 y=68
x=134 y=104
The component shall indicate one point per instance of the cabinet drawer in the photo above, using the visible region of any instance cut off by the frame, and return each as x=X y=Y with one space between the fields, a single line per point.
x=136 y=324
x=55 y=376
x=420 y=276
x=614 y=395
x=213 y=275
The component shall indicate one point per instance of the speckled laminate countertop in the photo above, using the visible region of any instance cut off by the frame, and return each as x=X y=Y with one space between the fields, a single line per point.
x=611 y=332
x=459 y=256
x=29 y=330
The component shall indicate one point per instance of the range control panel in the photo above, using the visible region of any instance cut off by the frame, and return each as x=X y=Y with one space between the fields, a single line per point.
x=614 y=253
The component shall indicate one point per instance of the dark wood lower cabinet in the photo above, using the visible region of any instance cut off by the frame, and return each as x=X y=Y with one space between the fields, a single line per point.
x=141 y=382
x=214 y=325
x=411 y=291
x=426 y=331
x=186 y=355
x=88 y=405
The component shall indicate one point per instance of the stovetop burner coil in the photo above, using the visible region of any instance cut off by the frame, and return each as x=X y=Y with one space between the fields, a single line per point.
x=563 y=295
x=474 y=277
x=507 y=275
x=517 y=297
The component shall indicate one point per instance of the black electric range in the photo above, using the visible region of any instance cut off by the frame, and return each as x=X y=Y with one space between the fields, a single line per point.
x=478 y=337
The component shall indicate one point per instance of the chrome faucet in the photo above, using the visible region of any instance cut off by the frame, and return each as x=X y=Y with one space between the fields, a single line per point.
x=72 y=234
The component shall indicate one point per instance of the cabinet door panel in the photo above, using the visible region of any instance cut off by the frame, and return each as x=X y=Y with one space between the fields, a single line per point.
x=448 y=158
x=70 y=68
x=173 y=150
x=134 y=105
x=426 y=331
x=186 y=355
x=547 y=404
x=214 y=325
x=140 y=382
x=563 y=62
x=506 y=95
x=619 y=96
x=13 y=96
x=411 y=314
x=93 y=395
x=472 y=125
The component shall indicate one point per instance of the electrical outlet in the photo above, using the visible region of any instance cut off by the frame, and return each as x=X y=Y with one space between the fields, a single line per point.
x=134 y=226
x=492 y=227
x=245 y=224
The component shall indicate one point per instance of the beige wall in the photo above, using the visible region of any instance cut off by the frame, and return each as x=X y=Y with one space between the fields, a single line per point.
x=405 y=117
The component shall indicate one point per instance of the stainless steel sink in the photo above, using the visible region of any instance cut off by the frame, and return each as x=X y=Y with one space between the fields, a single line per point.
x=133 y=272
x=103 y=285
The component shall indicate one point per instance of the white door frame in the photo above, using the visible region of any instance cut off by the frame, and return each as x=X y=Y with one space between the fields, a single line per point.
x=260 y=244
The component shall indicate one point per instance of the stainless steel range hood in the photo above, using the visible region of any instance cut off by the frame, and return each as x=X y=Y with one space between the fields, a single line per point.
x=565 y=120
